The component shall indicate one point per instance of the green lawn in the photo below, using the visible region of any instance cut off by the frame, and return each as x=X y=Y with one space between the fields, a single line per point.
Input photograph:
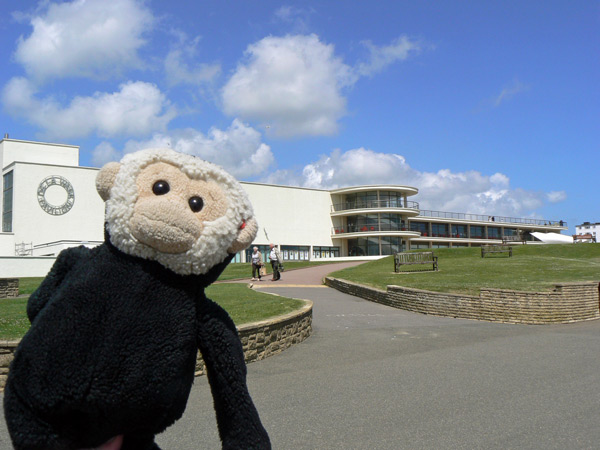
x=243 y=305
x=462 y=270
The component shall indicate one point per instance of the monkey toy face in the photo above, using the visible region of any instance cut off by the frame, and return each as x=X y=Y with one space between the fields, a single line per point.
x=176 y=209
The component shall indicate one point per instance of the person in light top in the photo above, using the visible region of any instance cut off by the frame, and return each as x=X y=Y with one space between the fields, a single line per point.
x=276 y=261
x=257 y=263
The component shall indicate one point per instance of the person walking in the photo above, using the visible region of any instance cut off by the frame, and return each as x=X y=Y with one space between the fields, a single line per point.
x=276 y=261
x=257 y=263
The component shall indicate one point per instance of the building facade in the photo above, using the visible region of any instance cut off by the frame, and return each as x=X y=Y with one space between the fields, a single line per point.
x=49 y=203
x=587 y=232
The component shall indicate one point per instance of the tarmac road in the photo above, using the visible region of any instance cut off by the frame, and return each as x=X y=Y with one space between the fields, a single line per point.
x=374 y=377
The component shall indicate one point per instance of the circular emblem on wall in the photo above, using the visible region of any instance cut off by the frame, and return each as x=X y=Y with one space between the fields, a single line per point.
x=56 y=195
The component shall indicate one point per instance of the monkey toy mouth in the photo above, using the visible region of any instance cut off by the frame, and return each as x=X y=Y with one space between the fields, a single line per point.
x=164 y=237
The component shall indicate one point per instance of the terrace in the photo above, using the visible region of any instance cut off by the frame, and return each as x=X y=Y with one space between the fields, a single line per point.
x=488 y=218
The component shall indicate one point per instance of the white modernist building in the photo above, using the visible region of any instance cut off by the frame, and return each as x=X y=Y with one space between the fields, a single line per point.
x=49 y=202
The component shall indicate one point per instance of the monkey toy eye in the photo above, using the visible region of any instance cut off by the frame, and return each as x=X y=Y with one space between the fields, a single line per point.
x=196 y=203
x=161 y=187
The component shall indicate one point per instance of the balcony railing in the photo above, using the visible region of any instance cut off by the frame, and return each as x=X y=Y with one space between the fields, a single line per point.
x=367 y=229
x=375 y=204
x=487 y=218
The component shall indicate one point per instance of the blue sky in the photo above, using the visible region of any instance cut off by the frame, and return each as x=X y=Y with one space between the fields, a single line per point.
x=487 y=107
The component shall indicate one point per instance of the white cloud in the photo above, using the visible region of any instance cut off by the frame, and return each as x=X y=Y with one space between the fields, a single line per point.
x=89 y=38
x=294 y=18
x=510 y=91
x=556 y=196
x=238 y=148
x=444 y=190
x=295 y=83
x=179 y=71
x=381 y=57
x=137 y=109
x=292 y=84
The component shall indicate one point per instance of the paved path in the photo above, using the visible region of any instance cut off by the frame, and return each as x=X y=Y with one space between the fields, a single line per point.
x=374 y=377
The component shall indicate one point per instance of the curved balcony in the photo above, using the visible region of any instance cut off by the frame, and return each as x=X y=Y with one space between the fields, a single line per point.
x=407 y=208
x=371 y=230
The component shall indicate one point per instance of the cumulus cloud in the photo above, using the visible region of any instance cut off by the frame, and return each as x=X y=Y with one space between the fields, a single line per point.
x=88 y=38
x=238 y=149
x=137 y=109
x=444 y=190
x=291 y=83
x=295 y=84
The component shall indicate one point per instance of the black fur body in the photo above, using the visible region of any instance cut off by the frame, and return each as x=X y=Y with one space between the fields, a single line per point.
x=112 y=350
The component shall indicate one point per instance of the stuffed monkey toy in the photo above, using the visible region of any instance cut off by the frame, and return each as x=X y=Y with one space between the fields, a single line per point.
x=109 y=359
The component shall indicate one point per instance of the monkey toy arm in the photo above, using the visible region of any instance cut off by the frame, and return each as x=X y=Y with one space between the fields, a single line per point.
x=237 y=418
x=67 y=259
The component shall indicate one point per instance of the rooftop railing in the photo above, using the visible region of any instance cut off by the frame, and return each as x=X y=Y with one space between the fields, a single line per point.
x=375 y=204
x=488 y=218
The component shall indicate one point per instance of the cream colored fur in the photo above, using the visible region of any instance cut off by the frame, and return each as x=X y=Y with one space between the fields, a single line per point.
x=221 y=229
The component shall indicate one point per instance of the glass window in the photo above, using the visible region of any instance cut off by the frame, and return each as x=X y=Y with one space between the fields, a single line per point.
x=439 y=229
x=477 y=232
x=459 y=231
x=7 y=202
x=294 y=252
x=373 y=246
x=493 y=233
x=324 y=252
x=390 y=245
x=421 y=227
x=390 y=222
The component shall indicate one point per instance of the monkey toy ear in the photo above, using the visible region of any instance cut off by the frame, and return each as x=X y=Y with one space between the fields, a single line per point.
x=106 y=179
x=246 y=235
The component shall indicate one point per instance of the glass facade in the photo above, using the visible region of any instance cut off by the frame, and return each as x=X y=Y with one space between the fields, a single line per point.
x=295 y=252
x=477 y=232
x=459 y=231
x=421 y=227
x=439 y=229
x=7 y=202
x=326 y=252
x=494 y=233
x=373 y=246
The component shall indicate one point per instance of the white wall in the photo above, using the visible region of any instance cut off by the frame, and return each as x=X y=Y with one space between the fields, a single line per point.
x=18 y=267
x=38 y=152
x=7 y=244
x=291 y=215
x=31 y=224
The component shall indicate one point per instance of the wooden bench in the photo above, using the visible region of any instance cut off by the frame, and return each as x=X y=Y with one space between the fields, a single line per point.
x=409 y=259
x=485 y=249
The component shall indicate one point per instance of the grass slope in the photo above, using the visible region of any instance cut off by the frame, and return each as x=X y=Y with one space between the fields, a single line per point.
x=243 y=305
x=462 y=270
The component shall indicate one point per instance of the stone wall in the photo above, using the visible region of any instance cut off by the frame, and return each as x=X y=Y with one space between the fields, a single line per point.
x=259 y=339
x=269 y=337
x=9 y=287
x=568 y=302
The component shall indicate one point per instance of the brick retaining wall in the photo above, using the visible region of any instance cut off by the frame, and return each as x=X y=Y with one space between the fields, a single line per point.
x=259 y=339
x=568 y=302
x=9 y=287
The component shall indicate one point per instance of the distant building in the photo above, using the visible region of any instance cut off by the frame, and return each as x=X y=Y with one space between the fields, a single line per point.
x=49 y=203
x=587 y=232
